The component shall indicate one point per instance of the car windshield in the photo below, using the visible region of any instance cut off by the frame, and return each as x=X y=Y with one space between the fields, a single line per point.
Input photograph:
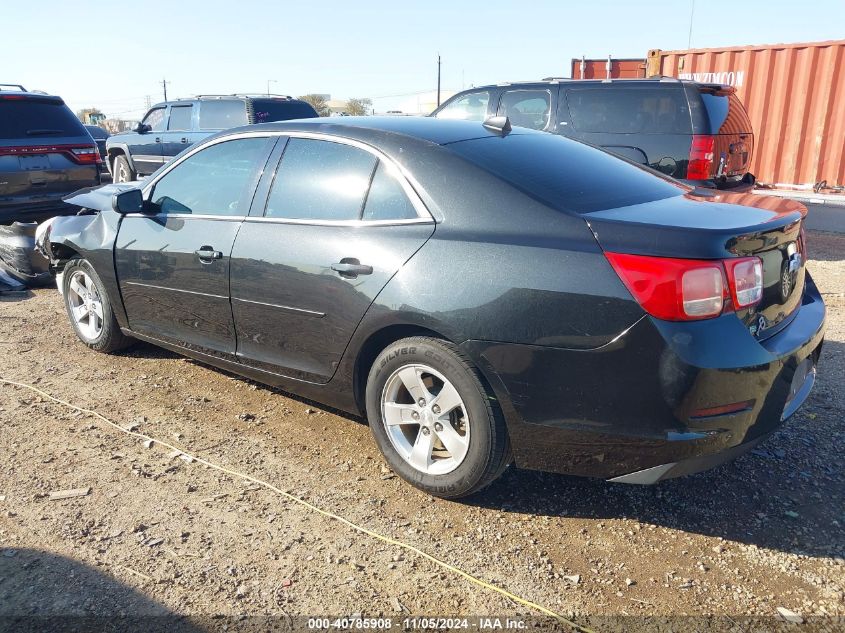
x=566 y=174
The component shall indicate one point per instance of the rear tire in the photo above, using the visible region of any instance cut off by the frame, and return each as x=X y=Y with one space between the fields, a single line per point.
x=89 y=308
x=122 y=171
x=449 y=451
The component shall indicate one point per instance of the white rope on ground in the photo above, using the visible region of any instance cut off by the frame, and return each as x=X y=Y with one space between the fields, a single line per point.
x=326 y=513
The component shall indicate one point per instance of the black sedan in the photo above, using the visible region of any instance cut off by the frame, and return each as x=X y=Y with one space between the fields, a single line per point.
x=483 y=295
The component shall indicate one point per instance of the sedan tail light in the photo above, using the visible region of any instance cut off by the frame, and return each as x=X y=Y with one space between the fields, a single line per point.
x=689 y=289
x=701 y=157
x=746 y=275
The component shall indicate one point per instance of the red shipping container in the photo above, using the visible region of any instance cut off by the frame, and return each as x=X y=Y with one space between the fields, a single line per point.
x=795 y=97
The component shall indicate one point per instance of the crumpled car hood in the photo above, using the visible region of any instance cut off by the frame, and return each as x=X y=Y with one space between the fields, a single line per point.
x=98 y=198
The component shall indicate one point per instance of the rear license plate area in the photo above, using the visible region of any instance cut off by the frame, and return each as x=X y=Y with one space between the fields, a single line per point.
x=37 y=162
x=802 y=382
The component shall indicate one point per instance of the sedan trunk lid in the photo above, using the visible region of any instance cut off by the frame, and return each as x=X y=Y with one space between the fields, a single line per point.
x=706 y=224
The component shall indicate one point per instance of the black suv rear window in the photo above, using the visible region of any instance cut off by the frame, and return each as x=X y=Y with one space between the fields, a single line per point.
x=566 y=174
x=630 y=110
x=726 y=113
x=34 y=119
x=264 y=110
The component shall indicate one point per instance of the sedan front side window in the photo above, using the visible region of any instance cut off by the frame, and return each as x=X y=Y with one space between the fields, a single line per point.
x=213 y=181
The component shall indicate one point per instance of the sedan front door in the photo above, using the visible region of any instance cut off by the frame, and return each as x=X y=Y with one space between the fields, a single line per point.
x=306 y=270
x=173 y=261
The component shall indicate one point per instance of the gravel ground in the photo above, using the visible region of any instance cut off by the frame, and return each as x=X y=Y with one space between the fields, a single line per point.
x=158 y=535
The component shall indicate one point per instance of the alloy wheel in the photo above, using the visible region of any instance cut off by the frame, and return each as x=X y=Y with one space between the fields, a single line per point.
x=86 y=306
x=122 y=175
x=425 y=419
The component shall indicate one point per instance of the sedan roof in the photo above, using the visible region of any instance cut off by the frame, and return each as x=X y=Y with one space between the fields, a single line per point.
x=374 y=128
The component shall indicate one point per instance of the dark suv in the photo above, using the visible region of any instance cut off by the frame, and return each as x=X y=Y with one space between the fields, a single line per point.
x=695 y=132
x=45 y=154
x=170 y=127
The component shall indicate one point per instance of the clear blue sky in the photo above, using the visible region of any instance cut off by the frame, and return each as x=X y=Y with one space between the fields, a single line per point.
x=110 y=55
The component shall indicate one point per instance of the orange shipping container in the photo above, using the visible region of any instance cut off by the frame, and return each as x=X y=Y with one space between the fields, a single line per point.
x=794 y=94
x=598 y=68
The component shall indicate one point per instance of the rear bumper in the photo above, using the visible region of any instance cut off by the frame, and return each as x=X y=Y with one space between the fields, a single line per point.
x=635 y=404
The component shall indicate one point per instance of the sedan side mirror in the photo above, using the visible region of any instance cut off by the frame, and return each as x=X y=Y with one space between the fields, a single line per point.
x=129 y=201
x=143 y=128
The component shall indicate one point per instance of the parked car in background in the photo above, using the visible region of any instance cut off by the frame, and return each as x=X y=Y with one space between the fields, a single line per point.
x=170 y=127
x=100 y=136
x=696 y=132
x=445 y=279
x=45 y=153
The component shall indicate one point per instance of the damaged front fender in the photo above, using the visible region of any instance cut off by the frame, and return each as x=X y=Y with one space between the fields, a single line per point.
x=90 y=236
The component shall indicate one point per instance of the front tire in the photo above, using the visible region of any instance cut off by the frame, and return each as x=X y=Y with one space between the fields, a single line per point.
x=89 y=308
x=122 y=171
x=434 y=419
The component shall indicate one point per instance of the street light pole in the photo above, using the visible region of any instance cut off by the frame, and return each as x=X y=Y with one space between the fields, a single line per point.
x=269 y=81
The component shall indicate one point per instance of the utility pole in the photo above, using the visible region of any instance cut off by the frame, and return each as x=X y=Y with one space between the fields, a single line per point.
x=164 y=87
x=438 y=80
x=148 y=102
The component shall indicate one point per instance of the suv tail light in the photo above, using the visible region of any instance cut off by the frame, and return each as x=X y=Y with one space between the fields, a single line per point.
x=701 y=157
x=689 y=289
x=82 y=154
x=86 y=155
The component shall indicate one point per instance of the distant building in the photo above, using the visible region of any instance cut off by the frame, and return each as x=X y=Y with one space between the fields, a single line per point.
x=337 y=106
x=118 y=125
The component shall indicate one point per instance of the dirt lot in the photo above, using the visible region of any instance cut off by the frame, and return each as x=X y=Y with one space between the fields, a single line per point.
x=159 y=535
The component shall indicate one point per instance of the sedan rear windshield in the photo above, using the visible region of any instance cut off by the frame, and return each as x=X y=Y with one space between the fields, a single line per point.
x=37 y=119
x=264 y=110
x=566 y=174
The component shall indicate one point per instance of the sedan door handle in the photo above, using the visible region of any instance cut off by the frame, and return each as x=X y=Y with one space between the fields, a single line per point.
x=350 y=268
x=207 y=254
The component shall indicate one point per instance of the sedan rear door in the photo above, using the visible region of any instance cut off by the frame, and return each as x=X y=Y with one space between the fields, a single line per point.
x=333 y=224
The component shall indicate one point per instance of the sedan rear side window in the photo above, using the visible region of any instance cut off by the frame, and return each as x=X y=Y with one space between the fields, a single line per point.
x=320 y=180
x=470 y=107
x=221 y=115
x=630 y=110
x=526 y=108
x=387 y=199
x=214 y=181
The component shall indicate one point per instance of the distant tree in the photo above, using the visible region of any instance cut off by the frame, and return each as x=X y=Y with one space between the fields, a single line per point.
x=318 y=103
x=359 y=107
